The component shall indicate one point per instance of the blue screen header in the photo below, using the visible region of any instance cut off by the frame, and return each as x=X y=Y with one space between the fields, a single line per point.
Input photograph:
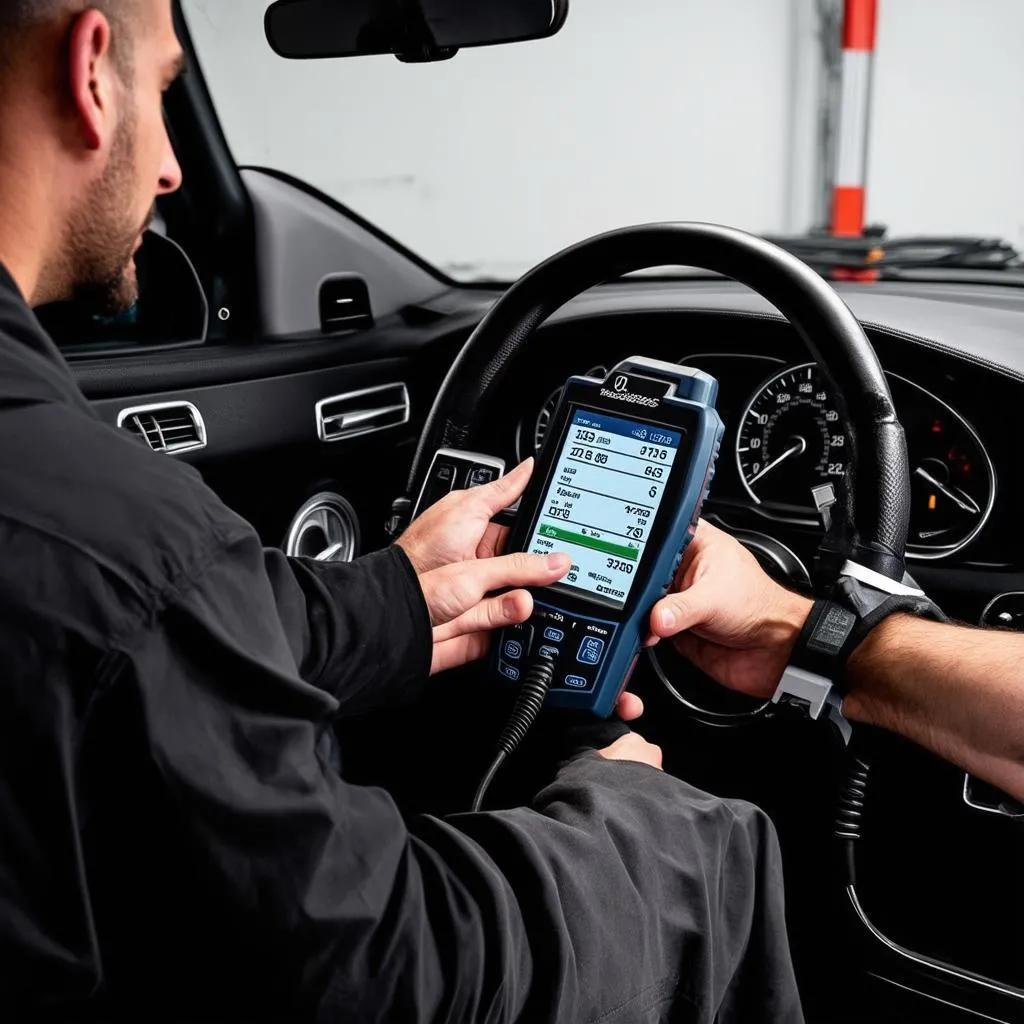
x=650 y=432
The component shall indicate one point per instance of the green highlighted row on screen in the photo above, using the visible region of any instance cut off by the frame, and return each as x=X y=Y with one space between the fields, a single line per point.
x=596 y=543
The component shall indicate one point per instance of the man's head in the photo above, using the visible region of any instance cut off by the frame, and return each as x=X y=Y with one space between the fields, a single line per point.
x=84 y=150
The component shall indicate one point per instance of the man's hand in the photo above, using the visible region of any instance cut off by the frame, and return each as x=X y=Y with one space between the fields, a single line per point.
x=453 y=547
x=633 y=748
x=728 y=616
x=462 y=612
x=459 y=527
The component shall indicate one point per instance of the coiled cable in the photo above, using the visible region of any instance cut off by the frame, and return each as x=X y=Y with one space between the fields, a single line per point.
x=529 y=701
x=850 y=811
x=852 y=797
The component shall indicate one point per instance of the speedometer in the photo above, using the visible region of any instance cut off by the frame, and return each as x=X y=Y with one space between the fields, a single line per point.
x=791 y=438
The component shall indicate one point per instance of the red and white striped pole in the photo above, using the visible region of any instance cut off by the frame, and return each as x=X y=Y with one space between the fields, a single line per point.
x=848 y=192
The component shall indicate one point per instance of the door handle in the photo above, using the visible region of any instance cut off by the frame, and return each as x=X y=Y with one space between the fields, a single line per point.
x=361 y=412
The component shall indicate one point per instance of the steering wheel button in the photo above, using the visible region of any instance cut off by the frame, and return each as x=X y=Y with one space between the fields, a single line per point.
x=556 y=636
x=513 y=650
x=480 y=475
x=591 y=650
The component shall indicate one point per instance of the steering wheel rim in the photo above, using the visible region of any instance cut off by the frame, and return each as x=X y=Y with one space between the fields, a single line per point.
x=871 y=516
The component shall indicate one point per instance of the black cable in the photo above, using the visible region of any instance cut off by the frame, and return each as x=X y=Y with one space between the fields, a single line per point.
x=850 y=812
x=875 y=252
x=852 y=796
x=528 y=703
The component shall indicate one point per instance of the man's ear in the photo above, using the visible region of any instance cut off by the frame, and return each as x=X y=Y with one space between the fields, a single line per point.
x=92 y=76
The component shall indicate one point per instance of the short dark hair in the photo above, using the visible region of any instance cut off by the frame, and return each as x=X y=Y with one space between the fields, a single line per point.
x=18 y=17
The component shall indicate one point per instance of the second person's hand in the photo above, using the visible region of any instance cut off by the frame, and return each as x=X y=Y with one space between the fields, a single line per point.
x=729 y=617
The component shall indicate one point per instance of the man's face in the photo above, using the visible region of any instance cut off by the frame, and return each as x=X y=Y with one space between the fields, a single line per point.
x=107 y=225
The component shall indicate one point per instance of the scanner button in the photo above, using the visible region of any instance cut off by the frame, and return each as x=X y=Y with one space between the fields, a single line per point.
x=556 y=636
x=508 y=671
x=590 y=650
x=549 y=652
x=513 y=650
x=576 y=682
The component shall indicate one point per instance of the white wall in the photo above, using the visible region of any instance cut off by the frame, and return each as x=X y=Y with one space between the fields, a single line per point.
x=947 y=142
x=504 y=155
x=638 y=110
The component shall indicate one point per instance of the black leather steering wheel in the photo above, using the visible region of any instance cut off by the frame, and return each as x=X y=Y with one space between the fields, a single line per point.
x=870 y=517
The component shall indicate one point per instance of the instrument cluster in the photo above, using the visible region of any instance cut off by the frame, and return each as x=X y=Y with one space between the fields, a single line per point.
x=786 y=436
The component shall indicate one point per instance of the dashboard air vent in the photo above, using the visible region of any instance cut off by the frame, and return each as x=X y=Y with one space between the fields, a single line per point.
x=172 y=427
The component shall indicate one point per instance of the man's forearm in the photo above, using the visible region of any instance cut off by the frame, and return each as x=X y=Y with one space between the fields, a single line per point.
x=957 y=691
x=359 y=630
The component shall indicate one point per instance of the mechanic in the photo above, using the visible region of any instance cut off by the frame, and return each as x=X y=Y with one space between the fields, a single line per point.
x=955 y=690
x=176 y=842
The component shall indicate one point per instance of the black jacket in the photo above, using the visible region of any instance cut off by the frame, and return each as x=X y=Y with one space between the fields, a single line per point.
x=177 y=844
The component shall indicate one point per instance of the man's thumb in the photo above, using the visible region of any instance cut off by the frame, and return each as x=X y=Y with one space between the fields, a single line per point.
x=678 y=612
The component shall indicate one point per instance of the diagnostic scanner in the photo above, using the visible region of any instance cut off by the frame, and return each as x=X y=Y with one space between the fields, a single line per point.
x=619 y=486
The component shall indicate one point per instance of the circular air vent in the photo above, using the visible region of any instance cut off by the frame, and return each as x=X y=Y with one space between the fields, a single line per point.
x=325 y=528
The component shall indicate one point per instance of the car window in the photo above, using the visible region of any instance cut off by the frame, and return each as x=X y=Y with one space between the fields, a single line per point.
x=711 y=111
x=171 y=309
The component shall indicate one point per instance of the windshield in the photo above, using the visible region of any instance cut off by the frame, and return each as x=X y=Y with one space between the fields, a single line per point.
x=721 y=111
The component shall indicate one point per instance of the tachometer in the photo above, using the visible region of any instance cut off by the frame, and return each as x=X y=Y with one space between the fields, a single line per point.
x=952 y=479
x=791 y=438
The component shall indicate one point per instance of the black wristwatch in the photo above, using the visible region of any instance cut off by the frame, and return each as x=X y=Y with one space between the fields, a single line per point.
x=815 y=679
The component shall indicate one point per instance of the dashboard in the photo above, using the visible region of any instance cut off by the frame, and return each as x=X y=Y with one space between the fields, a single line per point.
x=955 y=366
x=787 y=436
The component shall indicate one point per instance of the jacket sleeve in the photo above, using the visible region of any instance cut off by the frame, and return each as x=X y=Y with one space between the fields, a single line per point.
x=620 y=893
x=358 y=630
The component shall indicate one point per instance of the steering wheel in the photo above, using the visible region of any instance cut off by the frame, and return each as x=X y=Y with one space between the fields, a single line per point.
x=869 y=519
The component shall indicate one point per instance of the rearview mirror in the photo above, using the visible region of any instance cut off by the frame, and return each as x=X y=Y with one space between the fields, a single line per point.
x=413 y=30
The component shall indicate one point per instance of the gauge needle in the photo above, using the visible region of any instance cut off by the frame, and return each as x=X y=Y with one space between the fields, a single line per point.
x=798 y=447
x=967 y=503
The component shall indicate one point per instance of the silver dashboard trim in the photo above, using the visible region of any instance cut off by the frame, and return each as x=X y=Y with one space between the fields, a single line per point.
x=197 y=418
x=969 y=1010
x=921 y=960
x=983 y=618
x=360 y=421
x=457 y=455
x=983 y=808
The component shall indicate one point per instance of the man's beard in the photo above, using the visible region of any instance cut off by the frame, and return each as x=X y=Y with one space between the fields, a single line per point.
x=103 y=232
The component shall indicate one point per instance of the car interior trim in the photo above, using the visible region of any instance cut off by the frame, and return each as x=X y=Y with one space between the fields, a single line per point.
x=937 y=999
x=132 y=412
x=921 y=960
x=334 y=520
x=353 y=414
